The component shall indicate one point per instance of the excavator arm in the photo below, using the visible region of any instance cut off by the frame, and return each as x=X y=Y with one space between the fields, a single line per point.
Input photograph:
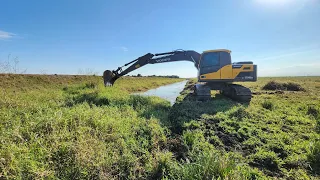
x=110 y=77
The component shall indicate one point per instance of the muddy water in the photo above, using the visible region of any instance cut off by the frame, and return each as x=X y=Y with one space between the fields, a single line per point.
x=169 y=92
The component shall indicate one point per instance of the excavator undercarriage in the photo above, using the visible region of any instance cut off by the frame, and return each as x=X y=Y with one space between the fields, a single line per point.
x=233 y=91
x=237 y=92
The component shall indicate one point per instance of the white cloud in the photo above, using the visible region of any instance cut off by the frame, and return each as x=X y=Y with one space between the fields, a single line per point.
x=294 y=52
x=125 y=49
x=293 y=65
x=6 y=35
x=303 y=69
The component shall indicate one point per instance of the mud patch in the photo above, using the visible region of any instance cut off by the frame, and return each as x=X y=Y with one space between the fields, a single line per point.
x=177 y=147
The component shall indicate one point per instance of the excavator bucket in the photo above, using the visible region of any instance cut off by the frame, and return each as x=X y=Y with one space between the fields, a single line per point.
x=109 y=78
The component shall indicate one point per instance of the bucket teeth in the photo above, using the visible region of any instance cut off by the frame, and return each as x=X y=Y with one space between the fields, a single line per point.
x=108 y=84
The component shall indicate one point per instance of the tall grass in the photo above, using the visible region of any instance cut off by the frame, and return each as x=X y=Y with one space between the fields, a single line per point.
x=72 y=127
x=268 y=138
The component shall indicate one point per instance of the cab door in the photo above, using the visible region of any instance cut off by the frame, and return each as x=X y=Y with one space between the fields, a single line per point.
x=210 y=66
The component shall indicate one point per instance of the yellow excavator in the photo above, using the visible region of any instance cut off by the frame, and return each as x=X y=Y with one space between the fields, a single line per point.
x=215 y=71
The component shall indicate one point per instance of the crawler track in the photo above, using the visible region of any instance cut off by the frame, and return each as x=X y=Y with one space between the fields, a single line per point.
x=237 y=92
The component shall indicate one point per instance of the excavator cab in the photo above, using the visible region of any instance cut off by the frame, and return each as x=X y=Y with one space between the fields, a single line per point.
x=216 y=66
x=211 y=62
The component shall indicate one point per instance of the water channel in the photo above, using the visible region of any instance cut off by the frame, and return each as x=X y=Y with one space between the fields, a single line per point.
x=169 y=92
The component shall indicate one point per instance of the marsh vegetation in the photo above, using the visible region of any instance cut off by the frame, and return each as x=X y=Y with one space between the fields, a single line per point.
x=72 y=127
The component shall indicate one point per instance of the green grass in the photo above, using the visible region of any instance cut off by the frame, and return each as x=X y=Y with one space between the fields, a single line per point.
x=276 y=135
x=71 y=127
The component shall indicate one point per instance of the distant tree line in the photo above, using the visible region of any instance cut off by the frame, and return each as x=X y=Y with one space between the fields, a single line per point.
x=167 y=76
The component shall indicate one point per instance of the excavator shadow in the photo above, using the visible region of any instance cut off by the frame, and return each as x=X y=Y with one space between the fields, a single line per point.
x=149 y=107
x=190 y=108
x=186 y=108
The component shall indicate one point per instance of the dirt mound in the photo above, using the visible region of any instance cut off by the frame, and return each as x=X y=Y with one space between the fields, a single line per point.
x=290 y=86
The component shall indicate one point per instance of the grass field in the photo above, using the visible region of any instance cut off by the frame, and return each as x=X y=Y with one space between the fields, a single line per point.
x=71 y=127
x=277 y=133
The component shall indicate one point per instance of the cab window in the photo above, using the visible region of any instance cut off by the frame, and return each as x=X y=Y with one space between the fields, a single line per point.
x=210 y=59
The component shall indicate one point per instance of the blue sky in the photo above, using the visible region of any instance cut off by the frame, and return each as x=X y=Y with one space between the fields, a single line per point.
x=69 y=36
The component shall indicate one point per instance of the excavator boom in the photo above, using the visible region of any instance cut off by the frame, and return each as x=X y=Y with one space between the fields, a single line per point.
x=110 y=77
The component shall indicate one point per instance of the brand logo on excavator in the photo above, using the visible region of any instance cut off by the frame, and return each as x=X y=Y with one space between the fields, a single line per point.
x=163 y=60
